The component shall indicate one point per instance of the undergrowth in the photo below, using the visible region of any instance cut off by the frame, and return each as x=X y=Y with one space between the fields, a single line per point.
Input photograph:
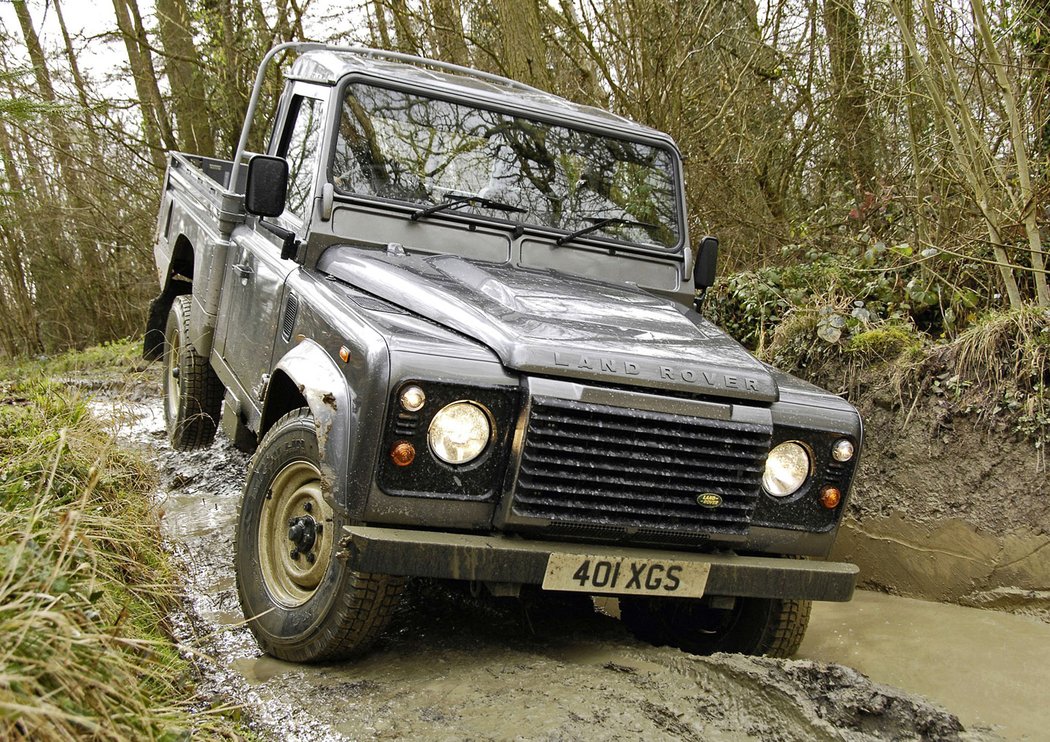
x=84 y=585
x=869 y=284
x=996 y=370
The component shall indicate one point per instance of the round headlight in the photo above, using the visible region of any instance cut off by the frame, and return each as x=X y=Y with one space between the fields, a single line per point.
x=786 y=469
x=459 y=432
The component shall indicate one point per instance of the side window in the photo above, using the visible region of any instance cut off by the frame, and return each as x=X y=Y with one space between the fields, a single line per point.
x=301 y=151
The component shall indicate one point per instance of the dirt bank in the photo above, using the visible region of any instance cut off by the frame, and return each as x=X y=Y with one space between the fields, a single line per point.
x=453 y=666
x=949 y=508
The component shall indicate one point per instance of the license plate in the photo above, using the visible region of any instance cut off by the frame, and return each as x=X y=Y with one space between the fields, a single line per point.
x=625 y=576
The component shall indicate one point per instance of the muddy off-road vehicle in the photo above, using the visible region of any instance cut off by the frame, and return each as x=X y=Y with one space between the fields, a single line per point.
x=456 y=319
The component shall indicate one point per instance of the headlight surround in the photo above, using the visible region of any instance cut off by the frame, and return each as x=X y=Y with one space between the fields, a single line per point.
x=459 y=432
x=787 y=468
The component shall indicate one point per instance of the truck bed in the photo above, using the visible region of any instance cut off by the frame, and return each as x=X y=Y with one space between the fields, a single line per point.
x=198 y=215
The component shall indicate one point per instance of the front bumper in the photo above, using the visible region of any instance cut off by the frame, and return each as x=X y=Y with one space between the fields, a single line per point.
x=512 y=560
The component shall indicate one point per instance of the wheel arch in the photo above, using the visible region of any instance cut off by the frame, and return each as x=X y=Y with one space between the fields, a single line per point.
x=179 y=281
x=307 y=376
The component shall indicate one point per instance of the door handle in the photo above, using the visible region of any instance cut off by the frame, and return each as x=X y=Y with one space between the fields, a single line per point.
x=243 y=270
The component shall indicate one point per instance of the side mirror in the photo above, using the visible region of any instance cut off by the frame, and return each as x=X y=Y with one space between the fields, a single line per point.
x=266 y=188
x=706 y=263
x=704 y=270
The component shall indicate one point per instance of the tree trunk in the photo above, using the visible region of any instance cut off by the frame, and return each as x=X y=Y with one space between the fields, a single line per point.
x=143 y=86
x=382 y=28
x=151 y=76
x=524 y=53
x=406 y=37
x=913 y=100
x=1024 y=201
x=183 y=67
x=969 y=151
x=23 y=313
x=854 y=128
x=448 y=31
x=78 y=79
x=59 y=136
x=1034 y=31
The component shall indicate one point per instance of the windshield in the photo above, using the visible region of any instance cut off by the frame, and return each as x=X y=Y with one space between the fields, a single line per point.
x=425 y=151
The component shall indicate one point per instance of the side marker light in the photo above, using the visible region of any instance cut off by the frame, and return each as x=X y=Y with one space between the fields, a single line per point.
x=830 y=497
x=842 y=451
x=413 y=398
x=403 y=453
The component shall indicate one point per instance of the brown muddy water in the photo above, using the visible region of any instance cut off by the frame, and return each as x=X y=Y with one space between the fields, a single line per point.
x=990 y=668
x=453 y=666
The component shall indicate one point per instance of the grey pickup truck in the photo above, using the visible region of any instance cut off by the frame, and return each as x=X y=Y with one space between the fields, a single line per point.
x=457 y=320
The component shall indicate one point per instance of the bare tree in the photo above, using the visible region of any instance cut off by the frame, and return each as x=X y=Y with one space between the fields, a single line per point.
x=523 y=50
x=183 y=67
x=853 y=130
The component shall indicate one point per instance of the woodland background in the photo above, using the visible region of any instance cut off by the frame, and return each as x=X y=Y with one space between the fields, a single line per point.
x=865 y=161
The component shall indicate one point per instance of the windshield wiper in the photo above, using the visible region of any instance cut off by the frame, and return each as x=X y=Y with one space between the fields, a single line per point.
x=599 y=223
x=456 y=201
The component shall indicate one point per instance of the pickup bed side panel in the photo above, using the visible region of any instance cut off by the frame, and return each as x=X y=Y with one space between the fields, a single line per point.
x=195 y=215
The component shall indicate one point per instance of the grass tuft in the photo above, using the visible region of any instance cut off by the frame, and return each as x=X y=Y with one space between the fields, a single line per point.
x=85 y=587
x=1006 y=348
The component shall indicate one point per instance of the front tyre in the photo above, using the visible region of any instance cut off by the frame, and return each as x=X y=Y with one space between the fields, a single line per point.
x=757 y=626
x=302 y=602
x=192 y=391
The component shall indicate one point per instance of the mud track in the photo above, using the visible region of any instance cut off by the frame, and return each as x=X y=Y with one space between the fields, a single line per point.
x=453 y=666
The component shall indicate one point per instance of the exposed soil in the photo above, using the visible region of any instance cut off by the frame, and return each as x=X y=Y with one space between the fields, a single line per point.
x=947 y=507
x=453 y=666
x=936 y=463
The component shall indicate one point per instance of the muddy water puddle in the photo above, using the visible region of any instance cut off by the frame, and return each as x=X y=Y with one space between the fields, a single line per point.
x=989 y=668
x=456 y=666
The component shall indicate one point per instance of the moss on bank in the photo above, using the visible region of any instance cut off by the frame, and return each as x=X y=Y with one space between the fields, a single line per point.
x=85 y=587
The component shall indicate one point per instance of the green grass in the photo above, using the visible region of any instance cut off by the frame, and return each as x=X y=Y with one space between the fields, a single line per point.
x=84 y=583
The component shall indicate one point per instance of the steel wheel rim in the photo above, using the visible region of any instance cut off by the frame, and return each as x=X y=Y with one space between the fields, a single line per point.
x=294 y=499
x=174 y=385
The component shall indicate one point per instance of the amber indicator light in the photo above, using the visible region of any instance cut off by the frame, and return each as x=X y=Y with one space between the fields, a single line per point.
x=344 y=354
x=403 y=453
x=830 y=497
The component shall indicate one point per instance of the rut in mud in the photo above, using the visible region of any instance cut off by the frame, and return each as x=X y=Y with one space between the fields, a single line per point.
x=454 y=666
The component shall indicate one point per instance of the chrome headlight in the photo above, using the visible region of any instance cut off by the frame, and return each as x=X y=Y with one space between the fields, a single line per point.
x=459 y=432
x=787 y=467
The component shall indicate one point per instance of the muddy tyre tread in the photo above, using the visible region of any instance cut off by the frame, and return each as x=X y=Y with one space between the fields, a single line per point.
x=789 y=628
x=359 y=613
x=768 y=627
x=358 y=631
x=196 y=422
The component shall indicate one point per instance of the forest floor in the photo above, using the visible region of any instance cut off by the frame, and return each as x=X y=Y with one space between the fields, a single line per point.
x=452 y=666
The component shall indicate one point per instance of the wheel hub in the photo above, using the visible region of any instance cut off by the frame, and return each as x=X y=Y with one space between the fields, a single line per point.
x=302 y=532
x=295 y=540
x=174 y=384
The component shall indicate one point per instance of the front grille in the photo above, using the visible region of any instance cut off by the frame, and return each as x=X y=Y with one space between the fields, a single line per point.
x=638 y=472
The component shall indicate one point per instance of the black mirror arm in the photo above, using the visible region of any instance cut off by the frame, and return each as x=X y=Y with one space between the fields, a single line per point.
x=698 y=299
x=289 y=244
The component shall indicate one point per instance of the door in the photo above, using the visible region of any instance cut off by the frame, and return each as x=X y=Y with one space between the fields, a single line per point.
x=256 y=274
